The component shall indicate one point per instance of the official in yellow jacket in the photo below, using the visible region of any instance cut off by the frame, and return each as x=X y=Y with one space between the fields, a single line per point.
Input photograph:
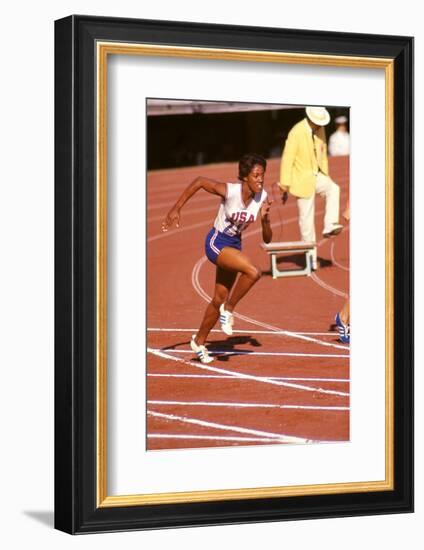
x=304 y=172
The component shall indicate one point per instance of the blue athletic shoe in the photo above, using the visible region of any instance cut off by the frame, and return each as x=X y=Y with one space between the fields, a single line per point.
x=344 y=330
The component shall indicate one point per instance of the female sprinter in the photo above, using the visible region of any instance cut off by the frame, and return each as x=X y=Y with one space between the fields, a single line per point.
x=240 y=204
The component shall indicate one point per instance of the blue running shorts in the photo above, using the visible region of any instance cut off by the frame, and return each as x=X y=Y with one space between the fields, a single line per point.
x=215 y=242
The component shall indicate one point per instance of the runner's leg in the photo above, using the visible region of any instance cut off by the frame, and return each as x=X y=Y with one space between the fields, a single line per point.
x=233 y=260
x=223 y=284
x=345 y=312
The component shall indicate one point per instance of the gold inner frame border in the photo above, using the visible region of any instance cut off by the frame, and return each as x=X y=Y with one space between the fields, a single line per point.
x=103 y=50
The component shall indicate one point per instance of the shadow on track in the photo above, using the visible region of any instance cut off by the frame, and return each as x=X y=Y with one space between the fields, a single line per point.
x=222 y=350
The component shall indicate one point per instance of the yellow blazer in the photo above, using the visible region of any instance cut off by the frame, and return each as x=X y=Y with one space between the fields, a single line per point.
x=300 y=163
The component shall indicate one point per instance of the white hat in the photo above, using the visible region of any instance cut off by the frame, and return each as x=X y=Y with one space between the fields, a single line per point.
x=318 y=115
x=340 y=119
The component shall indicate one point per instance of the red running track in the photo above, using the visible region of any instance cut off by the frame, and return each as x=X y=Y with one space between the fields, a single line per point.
x=283 y=377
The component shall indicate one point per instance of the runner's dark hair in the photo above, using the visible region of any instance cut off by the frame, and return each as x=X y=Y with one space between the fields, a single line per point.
x=247 y=162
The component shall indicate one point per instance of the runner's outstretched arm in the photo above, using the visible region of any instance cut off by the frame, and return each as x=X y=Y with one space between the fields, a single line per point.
x=209 y=185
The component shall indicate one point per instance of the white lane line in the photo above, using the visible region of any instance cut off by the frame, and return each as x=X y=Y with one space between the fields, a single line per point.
x=211 y=207
x=212 y=438
x=243 y=376
x=241 y=331
x=173 y=189
x=249 y=232
x=207 y=298
x=166 y=205
x=227 y=377
x=160 y=217
x=276 y=437
x=330 y=288
x=333 y=259
x=256 y=353
x=177 y=177
x=245 y=405
x=176 y=231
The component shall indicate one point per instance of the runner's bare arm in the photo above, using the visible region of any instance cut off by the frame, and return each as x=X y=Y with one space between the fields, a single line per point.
x=207 y=184
x=266 y=223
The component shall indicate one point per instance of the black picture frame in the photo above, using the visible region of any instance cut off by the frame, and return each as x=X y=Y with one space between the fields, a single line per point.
x=76 y=483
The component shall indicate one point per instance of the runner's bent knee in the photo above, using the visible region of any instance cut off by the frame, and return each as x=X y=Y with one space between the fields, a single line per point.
x=253 y=273
x=219 y=297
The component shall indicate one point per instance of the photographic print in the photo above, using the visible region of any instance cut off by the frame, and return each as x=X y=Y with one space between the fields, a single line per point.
x=206 y=261
x=248 y=329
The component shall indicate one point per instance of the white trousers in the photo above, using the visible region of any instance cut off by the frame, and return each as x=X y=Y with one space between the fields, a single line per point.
x=327 y=188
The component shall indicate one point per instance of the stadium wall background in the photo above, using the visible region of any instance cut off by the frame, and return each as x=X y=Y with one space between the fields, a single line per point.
x=203 y=138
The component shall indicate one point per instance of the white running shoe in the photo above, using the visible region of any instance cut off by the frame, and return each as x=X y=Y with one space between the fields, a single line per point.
x=227 y=320
x=201 y=351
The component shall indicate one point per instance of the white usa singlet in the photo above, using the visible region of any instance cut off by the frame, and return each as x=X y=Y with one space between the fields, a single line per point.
x=233 y=215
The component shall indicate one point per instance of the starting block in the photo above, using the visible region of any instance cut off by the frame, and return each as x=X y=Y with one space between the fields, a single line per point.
x=279 y=249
